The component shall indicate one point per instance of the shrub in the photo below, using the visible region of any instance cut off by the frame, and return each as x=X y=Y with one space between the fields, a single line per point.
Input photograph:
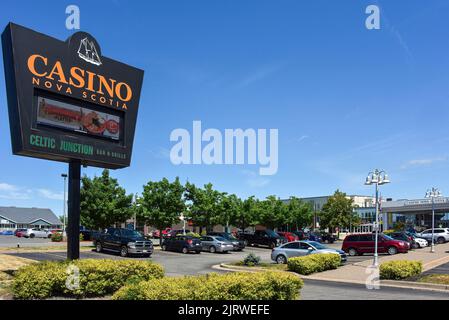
x=96 y=277
x=81 y=237
x=314 y=263
x=229 y=286
x=251 y=260
x=56 y=237
x=193 y=234
x=400 y=269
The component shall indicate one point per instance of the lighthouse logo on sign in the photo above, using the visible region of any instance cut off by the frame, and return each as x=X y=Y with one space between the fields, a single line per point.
x=88 y=52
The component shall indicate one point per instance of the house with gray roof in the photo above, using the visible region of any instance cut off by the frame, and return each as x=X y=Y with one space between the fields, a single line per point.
x=12 y=218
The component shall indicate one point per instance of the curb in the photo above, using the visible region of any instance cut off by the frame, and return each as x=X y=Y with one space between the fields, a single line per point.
x=383 y=283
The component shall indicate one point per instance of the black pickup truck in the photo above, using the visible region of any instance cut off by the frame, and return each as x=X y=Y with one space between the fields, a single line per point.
x=262 y=238
x=125 y=241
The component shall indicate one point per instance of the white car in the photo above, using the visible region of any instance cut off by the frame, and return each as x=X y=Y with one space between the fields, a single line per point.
x=37 y=233
x=422 y=243
x=441 y=235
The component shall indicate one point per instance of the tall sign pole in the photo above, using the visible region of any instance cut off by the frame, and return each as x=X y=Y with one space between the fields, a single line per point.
x=73 y=227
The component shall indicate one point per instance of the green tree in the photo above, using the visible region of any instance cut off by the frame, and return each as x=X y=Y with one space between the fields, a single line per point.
x=230 y=207
x=338 y=211
x=248 y=214
x=103 y=202
x=161 y=203
x=205 y=205
x=300 y=213
x=273 y=213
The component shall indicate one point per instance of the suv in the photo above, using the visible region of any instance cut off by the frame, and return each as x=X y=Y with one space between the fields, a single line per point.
x=441 y=235
x=358 y=244
x=262 y=237
x=125 y=241
x=239 y=245
x=180 y=243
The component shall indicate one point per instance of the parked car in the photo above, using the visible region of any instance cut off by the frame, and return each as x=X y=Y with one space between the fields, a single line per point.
x=262 y=237
x=19 y=232
x=289 y=236
x=181 y=243
x=315 y=236
x=156 y=233
x=327 y=237
x=441 y=235
x=174 y=232
x=239 y=245
x=421 y=243
x=216 y=244
x=358 y=244
x=302 y=248
x=399 y=235
x=36 y=233
x=302 y=235
x=87 y=235
x=125 y=241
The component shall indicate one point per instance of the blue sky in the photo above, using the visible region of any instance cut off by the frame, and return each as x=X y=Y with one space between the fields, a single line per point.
x=345 y=99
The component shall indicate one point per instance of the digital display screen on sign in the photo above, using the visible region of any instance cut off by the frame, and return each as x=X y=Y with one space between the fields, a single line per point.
x=77 y=118
x=67 y=101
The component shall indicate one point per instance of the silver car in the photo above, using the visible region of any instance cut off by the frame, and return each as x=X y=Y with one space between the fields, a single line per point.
x=37 y=233
x=302 y=248
x=441 y=235
x=216 y=244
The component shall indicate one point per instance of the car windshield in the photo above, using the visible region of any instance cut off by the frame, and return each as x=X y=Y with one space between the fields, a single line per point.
x=131 y=233
x=271 y=233
x=317 y=245
x=229 y=236
x=387 y=237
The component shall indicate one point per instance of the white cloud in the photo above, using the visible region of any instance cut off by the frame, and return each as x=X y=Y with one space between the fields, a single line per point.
x=254 y=180
x=7 y=187
x=50 y=194
x=422 y=162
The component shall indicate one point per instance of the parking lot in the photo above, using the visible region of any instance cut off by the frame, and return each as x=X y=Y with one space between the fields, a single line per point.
x=175 y=264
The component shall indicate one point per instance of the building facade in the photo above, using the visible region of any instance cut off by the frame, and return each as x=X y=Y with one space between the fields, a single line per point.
x=12 y=218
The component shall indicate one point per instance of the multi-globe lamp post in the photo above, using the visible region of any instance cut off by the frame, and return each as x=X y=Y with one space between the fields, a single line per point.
x=377 y=178
x=432 y=194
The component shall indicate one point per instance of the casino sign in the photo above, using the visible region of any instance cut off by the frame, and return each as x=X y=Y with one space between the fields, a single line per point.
x=68 y=102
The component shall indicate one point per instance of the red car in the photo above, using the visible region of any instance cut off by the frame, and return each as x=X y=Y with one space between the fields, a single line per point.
x=358 y=244
x=20 y=232
x=156 y=233
x=290 y=236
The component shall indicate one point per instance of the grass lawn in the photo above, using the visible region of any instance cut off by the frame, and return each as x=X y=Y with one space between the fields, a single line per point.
x=5 y=283
x=264 y=265
x=435 y=278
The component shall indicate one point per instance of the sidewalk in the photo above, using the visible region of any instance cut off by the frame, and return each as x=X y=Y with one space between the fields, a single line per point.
x=359 y=272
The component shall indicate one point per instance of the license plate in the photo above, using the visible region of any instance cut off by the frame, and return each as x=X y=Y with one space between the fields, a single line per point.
x=145 y=251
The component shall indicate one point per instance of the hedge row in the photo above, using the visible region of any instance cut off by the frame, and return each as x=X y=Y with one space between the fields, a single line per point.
x=400 y=269
x=314 y=263
x=96 y=277
x=231 y=286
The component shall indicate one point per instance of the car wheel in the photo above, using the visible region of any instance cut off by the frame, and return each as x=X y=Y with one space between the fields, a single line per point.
x=198 y=252
x=441 y=240
x=280 y=259
x=353 y=252
x=272 y=245
x=99 y=247
x=32 y=235
x=415 y=245
x=49 y=236
x=164 y=247
x=212 y=249
x=392 y=251
x=124 y=251
x=185 y=250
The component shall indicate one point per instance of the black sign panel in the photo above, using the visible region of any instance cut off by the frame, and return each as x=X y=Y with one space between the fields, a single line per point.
x=68 y=102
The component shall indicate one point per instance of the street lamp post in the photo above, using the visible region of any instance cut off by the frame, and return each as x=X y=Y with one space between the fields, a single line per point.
x=64 y=175
x=432 y=194
x=377 y=177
